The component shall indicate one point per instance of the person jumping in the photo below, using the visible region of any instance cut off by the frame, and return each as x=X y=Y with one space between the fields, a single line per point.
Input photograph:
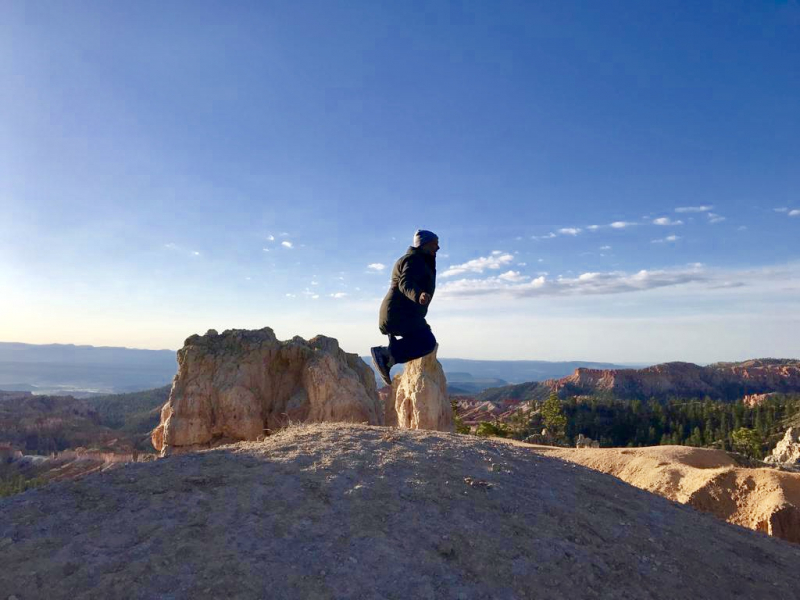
x=406 y=304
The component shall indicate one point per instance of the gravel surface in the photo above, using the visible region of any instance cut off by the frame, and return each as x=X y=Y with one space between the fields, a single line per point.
x=349 y=511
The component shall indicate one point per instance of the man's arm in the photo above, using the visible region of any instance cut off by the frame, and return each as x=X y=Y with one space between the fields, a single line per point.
x=411 y=273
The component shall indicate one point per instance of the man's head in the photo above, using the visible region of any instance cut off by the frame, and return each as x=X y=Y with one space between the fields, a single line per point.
x=427 y=241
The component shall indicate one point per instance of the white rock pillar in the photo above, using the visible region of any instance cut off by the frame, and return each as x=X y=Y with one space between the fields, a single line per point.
x=420 y=395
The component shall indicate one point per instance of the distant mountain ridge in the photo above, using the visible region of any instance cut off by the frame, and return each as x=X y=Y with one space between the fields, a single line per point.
x=719 y=381
x=71 y=353
x=83 y=370
x=468 y=376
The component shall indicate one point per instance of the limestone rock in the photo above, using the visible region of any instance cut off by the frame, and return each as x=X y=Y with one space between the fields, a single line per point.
x=787 y=451
x=241 y=383
x=753 y=400
x=586 y=442
x=420 y=396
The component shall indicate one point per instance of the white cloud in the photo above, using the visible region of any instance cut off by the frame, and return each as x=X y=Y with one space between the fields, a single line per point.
x=315 y=296
x=376 y=267
x=666 y=221
x=291 y=295
x=287 y=244
x=794 y=213
x=669 y=238
x=621 y=224
x=522 y=264
x=715 y=218
x=495 y=260
x=693 y=209
x=271 y=238
x=594 y=283
x=513 y=277
x=195 y=253
x=593 y=227
x=549 y=236
x=783 y=209
x=338 y=295
x=742 y=228
x=605 y=247
x=265 y=249
x=569 y=231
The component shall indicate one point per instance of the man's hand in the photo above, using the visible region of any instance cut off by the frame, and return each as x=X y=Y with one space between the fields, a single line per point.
x=424 y=298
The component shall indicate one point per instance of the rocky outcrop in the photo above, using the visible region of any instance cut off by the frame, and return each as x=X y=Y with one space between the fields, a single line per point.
x=752 y=400
x=720 y=381
x=242 y=384
x=787 y=451
x=420 y=396
x=713 y=481
x=586 y=442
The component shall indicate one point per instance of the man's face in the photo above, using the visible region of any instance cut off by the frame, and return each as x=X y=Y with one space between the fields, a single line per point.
x=431 y=247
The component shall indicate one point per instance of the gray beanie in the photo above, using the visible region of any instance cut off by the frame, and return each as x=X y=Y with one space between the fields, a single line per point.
x=423 y=236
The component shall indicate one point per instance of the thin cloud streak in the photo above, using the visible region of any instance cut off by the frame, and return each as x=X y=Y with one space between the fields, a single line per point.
x=693 y=209
x=618 y=282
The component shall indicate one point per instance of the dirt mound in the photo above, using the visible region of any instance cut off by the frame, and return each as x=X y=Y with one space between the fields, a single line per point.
x=349 y=511
x=764 y=499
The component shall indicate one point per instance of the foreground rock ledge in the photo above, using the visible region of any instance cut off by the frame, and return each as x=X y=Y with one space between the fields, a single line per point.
x=241 y=384
x=355 y=512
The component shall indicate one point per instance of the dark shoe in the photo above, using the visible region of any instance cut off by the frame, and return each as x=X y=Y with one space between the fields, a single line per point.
x=381 y=361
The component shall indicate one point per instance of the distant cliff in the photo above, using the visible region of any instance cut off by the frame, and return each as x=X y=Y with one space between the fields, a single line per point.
x=719 y=381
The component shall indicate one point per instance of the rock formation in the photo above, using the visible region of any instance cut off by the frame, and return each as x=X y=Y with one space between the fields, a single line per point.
x=241 y=384
x=586 y=442
x=420 y=396
x=766 y=500
x=787 y=451
x=720 y=381
x=752 y=400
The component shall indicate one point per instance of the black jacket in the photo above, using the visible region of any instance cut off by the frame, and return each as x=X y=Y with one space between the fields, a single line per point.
x=401 y=312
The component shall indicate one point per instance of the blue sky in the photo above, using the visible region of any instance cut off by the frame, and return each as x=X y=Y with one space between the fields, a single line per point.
x=618 y=181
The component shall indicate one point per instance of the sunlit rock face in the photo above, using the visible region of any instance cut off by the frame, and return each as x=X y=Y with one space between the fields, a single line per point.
x=787 y=451
x=420 y=395
x=242 y=384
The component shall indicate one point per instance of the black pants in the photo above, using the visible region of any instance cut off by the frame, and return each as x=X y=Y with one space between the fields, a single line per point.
x=413 y=345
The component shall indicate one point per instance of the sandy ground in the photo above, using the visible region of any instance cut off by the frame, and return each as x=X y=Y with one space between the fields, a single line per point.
x=764 y=499
x=348 y=511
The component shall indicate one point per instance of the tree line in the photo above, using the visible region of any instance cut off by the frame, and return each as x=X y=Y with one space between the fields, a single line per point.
x=688 y=422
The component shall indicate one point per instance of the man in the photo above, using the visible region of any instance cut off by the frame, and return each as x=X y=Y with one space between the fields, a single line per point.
x=406 y=303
